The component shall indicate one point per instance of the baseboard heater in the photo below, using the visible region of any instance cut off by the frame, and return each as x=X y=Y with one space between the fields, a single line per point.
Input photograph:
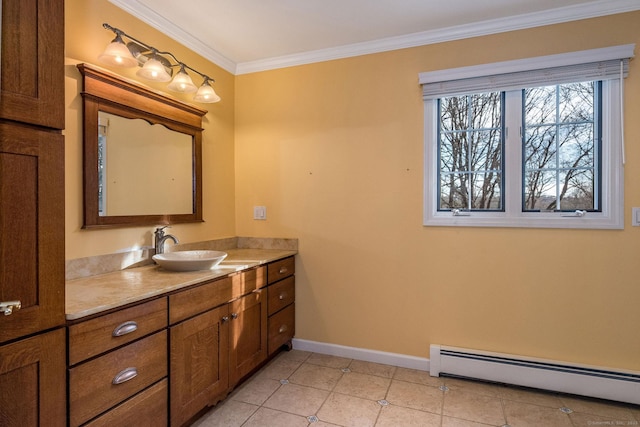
x=603 y=383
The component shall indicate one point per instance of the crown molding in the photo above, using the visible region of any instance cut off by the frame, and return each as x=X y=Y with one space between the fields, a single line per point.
x=494 y=26
x=151 y=17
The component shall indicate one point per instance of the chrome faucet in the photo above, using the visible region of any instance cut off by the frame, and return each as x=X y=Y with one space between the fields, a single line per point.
x=160 y=238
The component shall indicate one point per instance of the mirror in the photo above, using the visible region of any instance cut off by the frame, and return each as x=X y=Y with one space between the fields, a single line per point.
x=142 y=154
x=135 y=158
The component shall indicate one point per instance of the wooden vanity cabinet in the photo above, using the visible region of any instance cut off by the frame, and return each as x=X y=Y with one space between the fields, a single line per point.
x=118 y=365
x=247 y=335
x=218 y=335
x=281 y=307
x=199 y=355
x=165 y=360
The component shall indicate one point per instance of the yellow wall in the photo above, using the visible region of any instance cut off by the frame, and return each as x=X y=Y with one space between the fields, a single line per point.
x=334 y=150
x=85 y=39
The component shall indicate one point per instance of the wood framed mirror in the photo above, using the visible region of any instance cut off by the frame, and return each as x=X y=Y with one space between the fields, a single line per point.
x=142 y=154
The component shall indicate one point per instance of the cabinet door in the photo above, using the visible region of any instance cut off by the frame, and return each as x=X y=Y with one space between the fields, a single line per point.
x=31 y=229
x=32 y=86
x=199 y=363
x=32 y=381
x=248 y=334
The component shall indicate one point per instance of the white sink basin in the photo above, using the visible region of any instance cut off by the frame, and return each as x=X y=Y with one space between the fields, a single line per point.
x=189 y=260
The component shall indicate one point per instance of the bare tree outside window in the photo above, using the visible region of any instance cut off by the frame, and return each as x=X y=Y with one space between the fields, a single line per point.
x=560 y=171
x=471 y=150
x=560 y=137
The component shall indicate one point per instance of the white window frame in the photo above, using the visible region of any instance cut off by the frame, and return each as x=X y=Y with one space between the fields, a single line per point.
x=611 y=215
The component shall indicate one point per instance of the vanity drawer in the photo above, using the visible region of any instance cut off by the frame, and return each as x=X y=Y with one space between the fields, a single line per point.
x=281 y=294
x=132 y=368
x=280 y=269
x=248 y=281
x=148 y=408
x=93 y=337
x=281 y=328
x=188 y=303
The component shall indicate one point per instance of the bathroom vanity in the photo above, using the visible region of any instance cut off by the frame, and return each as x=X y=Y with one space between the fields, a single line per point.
x=163 y=345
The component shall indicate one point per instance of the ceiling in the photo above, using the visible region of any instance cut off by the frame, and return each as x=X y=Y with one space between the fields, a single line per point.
x=244 y=36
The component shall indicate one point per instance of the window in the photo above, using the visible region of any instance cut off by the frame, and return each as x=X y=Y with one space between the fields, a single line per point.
x=523 y=148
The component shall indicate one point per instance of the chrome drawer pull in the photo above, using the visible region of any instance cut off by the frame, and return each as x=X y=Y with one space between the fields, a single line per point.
x=125 y=328
x=282 y=329
x=283 y=270
x=125 y=375
x=8 y=307
x=282 y=296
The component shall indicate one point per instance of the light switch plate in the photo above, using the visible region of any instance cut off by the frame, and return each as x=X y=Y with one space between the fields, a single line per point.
x=260 y=212
x=635 y=217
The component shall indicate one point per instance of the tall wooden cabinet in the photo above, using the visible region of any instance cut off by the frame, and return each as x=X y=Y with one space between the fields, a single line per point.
x=32 y=340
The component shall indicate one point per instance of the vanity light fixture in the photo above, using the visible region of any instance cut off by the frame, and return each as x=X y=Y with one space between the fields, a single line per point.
x=156 y=65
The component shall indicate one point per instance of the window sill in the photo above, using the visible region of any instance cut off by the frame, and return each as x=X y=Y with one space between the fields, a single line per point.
x=533 y=220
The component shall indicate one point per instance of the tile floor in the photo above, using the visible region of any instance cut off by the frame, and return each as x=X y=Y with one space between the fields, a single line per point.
x=298 y=388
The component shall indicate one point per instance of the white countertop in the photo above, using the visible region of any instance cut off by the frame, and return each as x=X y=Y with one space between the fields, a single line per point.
x=94 y=294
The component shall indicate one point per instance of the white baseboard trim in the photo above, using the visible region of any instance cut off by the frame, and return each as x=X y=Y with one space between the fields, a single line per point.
x=393 y=359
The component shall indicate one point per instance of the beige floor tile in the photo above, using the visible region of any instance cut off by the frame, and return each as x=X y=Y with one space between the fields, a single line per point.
x=318 y=386
x=297 y=399
x=526 y=415
x=458 y=422
x=418 y=377
x=534 y=397
x=597 y=407
x=415 y=396
x=480 y=387
x=329 y=361
x=280 y=368
x=371 y=368
x=265 y=417
x=362 y=385
x=395 y=416
x=228 y=414
x=460 y=403
x=256 y=390
x=349 y=411
x=295 y=355
x=316 y=376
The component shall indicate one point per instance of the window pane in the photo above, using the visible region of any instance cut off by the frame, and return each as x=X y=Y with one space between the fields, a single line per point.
x=543 y=110
x=540 y=149
x=539 y=190
x=577 y=191
x=576 y=102
x=561 y=167
x=453 y=191
x=486 y=191
x=453 y=113
x=453 y=151
x=470 y=144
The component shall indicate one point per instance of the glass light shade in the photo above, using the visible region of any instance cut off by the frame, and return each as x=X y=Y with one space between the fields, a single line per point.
x=117 y=53
x=206 y=94
x=154 y=70
x=182 y=82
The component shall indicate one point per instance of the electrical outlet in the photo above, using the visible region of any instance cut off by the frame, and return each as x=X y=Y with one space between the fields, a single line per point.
x=635 y=217
x=260 y=212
